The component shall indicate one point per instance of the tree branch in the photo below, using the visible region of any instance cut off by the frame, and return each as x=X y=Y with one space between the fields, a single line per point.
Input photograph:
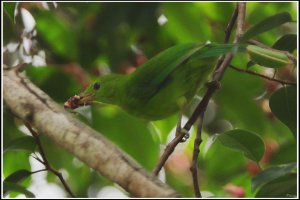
x=230 y=25
x=33 y=106
x=221 y=66
x=194 y=166
x=45 y=160
x=167 y=152
x=200 y=110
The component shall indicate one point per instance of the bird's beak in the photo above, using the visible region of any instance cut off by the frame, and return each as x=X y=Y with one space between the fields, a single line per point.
x=78 y=101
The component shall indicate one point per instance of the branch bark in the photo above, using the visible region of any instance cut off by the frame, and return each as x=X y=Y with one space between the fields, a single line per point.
x=35 y=107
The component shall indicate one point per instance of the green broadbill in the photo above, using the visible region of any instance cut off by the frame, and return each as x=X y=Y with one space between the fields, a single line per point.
x=160 y=87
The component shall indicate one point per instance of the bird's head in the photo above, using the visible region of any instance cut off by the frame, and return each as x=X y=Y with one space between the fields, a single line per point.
x=83 y=99
x=106 y=90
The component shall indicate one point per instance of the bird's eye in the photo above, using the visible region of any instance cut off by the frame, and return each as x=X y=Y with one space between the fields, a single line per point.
x=96 y=86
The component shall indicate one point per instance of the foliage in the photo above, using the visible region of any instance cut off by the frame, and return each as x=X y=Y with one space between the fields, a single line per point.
x=72 y=44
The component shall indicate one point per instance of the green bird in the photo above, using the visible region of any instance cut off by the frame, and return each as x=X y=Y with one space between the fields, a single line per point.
x=160 y=87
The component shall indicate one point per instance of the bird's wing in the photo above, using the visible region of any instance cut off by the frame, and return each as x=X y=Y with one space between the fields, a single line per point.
x=149 y=77
x=152 y=75
x=196 y=51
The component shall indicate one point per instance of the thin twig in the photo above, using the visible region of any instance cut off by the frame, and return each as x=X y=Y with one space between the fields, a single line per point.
x=200 y=110
x=227 y=32
x=167 y=152
x=194 y=166
x=240 y=21
x=38 y=159
x=45 y=160
x=230 y=25
x=41 y=170
x=172 y=145
x=212 y=87
x=262 y=76
x=241 y=10
x=239 y=32
x=220 y=68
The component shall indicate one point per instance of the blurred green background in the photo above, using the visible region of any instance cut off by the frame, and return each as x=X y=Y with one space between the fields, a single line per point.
x=73 y=43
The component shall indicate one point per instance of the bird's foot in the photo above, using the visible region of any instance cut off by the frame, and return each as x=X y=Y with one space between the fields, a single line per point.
x=185 y=132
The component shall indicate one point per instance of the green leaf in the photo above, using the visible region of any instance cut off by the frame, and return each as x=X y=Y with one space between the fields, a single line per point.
x=270 y=174
x=285 y=186
x=13 y=187
x=287 y=42
x=283 y=104
x=17 y=176
x=26 y=143
x=214 y=166
x=268 y=57
x=266 y=25
x=241 y=140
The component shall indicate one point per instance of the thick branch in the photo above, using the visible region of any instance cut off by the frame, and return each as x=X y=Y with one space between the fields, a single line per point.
x=33 y=106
